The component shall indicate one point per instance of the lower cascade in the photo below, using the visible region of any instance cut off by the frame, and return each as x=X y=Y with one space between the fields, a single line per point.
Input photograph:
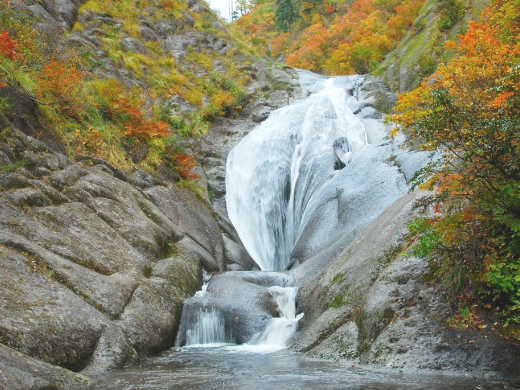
x=280 y=329
x=206 y=326
x=209 y=328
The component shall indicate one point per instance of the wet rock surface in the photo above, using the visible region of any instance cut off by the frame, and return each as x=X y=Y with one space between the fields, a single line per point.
x=241 y=298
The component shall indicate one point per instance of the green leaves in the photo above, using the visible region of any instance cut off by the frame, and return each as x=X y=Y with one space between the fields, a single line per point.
x=425 y=237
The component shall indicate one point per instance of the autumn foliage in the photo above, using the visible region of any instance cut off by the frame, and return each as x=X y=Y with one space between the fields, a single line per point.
x=59 y=84
x=469 y=114
x=185 y=165
x=119 y=105
x=331 y=38
x=7 y=46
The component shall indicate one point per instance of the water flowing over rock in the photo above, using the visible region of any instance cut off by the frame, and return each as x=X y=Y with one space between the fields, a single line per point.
x=278 y=332
x=209 y=327
x=274 y=175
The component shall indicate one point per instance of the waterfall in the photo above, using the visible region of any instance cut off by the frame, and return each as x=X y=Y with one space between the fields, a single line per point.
x=274 y=172
x=205 y=282
x=279 y=330
x=209 y=327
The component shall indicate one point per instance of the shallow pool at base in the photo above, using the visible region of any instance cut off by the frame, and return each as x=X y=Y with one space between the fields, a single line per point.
x=223 y=368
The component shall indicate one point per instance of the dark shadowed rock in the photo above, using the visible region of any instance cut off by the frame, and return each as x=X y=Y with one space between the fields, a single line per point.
x=195 y=221
x=147 y=34
x=20 y=372
x=261 y=114
x=206 y=259
x=237 y=256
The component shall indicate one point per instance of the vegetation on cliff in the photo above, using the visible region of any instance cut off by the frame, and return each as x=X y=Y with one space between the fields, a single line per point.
x=468 y=113
x=132 y=120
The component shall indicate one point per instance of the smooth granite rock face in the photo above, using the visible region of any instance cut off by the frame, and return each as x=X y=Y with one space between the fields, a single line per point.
x=94 y=269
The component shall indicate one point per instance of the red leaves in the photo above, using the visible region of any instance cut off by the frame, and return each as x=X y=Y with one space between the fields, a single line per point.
x=7 y=46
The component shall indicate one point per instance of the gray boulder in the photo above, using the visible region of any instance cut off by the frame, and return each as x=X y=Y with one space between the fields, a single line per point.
x=20 y=372
x=91 y=273
x=261 y=114
x=237 y=257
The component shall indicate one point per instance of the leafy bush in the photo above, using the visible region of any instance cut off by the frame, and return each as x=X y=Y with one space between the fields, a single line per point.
x=451 y=12
x=469 y=113
x=59 y=84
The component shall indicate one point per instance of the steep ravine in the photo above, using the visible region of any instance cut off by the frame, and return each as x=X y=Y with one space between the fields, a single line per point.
x=360 y=301
x=96 y=261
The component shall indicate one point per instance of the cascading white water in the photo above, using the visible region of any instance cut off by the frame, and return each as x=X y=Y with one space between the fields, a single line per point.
x=205 y=281
x=208 y=328
x=279 y=330
x=273 y=172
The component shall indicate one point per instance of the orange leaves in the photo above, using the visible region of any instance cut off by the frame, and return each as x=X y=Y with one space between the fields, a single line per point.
x=58 y=84
x=144 y=127
x=7 y=46
x=500 y=99
x=185 y=165
x=468 y=113
x=355 y=41
x=403 y=19
x=223 y=101
x=315 y=43
x=122 y=106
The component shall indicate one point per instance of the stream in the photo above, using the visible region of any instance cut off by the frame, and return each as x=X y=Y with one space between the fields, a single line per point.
x=288 y=183
x=218 y=368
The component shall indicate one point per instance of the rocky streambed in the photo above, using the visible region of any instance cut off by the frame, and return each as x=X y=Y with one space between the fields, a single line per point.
x=369 y=311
